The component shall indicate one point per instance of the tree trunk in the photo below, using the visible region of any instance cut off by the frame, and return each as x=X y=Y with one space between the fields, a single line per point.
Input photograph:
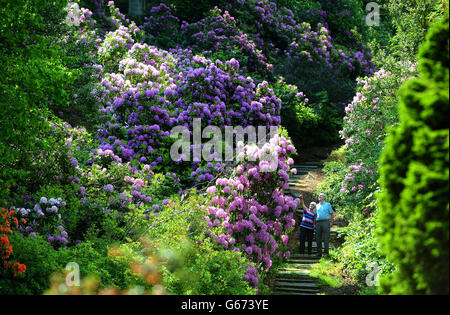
x=136 y=7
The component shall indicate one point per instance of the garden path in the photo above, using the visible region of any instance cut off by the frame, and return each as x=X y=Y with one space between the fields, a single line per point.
x=293 y=278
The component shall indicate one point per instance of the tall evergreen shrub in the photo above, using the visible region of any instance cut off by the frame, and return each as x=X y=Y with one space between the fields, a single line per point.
x=414 y=203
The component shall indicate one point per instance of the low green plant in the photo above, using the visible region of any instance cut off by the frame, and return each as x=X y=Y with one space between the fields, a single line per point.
x=203 y=267
x=328 y=273
x=41 y=261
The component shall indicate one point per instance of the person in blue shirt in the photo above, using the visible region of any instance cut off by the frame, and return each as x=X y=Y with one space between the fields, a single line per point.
x=324 y=221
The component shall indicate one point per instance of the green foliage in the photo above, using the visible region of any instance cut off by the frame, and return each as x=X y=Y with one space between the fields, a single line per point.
x=185 y=11
x=208 y=271
x=412 y=19
x=111 y=270
x=359 y=254
x=335 y=169
x=38 y=75
x=328 y=273
x=327 y=100
x=29 y=163
x=41 y=261
x=352 y=171
x=297 y=116
x=414 y=177
x=179 y=230
x=341 y=17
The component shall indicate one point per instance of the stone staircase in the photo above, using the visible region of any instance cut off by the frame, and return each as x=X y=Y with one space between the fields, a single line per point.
x=297 y=182
x=294 y=278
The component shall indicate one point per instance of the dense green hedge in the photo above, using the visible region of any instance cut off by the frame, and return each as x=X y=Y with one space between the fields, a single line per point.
x=411 y=20
x=414 y=177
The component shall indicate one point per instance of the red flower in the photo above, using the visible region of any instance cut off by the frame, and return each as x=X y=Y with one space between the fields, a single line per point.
x=19 y=268
x=6 y=248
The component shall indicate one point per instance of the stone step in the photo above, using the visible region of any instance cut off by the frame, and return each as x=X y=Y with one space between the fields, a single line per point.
x=299 y=181
x=297 y=190
x=297 y=285
x=297 y=185
x=296 y=267
x=293 y=293
x=313 y=257
x=314 y=245
x=302 y=172
x=306 y=166
x=294 y=272
x=298 y=256
x=318 y=162
x=282 y=290
x=305 y=279
x=303 y=261
x=294 y=277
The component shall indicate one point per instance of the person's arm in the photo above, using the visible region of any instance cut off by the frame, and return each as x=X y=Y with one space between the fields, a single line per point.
x=332 y=216
x=303 y=202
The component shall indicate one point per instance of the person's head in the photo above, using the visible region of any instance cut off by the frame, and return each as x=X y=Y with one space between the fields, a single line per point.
x=322 y=197
x=312 y=206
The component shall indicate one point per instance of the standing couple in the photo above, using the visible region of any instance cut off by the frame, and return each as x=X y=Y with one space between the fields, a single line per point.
x=319 y=217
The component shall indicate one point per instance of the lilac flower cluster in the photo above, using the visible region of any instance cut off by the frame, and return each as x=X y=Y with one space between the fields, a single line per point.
x=161 y=25
x=364 y=129
x=60 y=236
x=43 y=218
x=295 y=40
x=117 y=42
x=219 y=32
x=107 y=17
x=356 y=179
x=153 y=90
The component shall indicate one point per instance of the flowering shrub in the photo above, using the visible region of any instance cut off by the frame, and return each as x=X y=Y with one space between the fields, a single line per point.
x=44 y=218
x=343 y=18
x=250 y=207
x=154 y=90
x=108 y=76
x=218 y=35
x=352 y=173
x=7 y=217
x=368 y=117
x=278 y=32
x=161 y=27
x=178 y=233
